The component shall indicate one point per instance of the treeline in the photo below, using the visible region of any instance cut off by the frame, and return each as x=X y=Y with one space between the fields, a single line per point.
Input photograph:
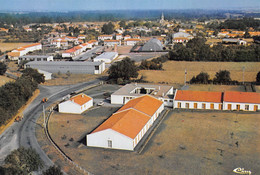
x=240 y=24
x=197 y=50
x=112 y=15
x=221 y=77
x=154 y=64
x=13 y=95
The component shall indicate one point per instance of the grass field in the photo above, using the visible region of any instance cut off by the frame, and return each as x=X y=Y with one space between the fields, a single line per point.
x=10 y=46
x=185 y=143
x=4 y=79
x=174 y=71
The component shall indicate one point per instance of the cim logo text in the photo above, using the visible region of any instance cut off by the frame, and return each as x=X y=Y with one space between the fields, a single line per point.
x=241 y=171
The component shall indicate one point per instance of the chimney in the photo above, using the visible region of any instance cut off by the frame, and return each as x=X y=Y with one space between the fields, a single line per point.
x=82 y=95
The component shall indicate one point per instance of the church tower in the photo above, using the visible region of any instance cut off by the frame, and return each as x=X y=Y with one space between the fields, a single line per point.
x=162 y=20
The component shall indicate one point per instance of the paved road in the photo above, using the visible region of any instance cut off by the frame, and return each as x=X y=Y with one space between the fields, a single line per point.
x=87 y=55
x=23 y=133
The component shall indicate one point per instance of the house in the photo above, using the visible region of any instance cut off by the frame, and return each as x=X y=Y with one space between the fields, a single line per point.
x=106 y=57
x=130 y=91
x=35 y=58
x=185 y=99
x=105 y=37
x=28 y=29
x=81 y=37
x=125 y=128
x=247 y=101
x=119 y=36
x=112 y=42
x=4 y=30
x=132 y=41
x=127 y=37
x=74 y=67
x=180 y=40
x=137 y=37
x=76 y=104
x=234 y=41
x=92 y=43
x=182 y=35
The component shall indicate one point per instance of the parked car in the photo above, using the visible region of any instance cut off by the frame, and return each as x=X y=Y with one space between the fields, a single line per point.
x=101 y=103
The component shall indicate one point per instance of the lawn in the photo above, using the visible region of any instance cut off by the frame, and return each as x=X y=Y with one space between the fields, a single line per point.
x=4 y=79
x=174 y=71
x=10 y=46
x=185 y=143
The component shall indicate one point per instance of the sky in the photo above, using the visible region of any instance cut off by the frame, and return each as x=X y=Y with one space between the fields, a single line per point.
x=75 y=5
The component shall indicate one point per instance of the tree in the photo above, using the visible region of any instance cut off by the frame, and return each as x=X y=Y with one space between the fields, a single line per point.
x=23 y=161
x=53 y=170
x=258 y=77
x=124 y=69
x=3 y=68
x=222 y=77
x=34 y=74
x=202 y=78
x=122 y=24
x=108 y=28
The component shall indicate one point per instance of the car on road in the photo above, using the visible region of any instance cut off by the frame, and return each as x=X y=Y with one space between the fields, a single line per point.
x=101 y=103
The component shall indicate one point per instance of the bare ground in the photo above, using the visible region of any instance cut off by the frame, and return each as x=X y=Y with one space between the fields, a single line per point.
x=185 y=143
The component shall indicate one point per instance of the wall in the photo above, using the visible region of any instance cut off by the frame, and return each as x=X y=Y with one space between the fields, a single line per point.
x=199 y=105
x=242 y=106
x=119 y=141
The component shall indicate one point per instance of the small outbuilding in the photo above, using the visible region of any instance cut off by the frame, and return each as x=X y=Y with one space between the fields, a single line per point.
x=76 y=104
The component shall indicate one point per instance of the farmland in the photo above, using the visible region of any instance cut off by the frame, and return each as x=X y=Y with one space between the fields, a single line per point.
x=187 y=142
x=174 y=71
x=10 y=46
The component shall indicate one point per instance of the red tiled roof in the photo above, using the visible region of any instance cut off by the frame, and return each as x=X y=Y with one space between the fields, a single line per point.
x=80 y=99
x=200 y=96
x=242 y=97
x=129 y=123
x=146 y=104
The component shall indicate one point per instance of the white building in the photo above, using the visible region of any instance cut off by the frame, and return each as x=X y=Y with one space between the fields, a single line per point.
x=35 y=58
x=131 y=91
x=132 y=41
x=112 y=42
x=106 y=57
x=246 y=101
x=197 y=100
x=14 y=55
x=125 y=128
x=119 y=36
x=76 y=104
x=105 y=37
x=127 y=37
x=47 y=75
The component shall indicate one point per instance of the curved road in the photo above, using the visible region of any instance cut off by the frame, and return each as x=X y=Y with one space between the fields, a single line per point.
x=23 y=133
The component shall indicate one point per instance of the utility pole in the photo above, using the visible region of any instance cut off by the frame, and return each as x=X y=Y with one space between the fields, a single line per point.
x=44 y=124
x=185 y=77
x=243 y=74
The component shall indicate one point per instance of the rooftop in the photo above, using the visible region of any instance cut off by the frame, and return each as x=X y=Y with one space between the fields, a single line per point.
x=242 y=97
x=200 y=96
x=80 y=99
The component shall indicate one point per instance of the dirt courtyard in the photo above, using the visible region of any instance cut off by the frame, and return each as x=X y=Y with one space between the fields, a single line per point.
x=187 y=142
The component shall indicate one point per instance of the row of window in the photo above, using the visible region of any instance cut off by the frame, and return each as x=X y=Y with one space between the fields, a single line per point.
x=238 y=107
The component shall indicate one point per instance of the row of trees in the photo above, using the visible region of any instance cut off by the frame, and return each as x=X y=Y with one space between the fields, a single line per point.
x=24 y=161
x=197 y=50
x=15 y=94
x=221 y=77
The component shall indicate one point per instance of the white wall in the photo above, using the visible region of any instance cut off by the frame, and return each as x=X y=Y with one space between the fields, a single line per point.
x=119 y=141
x=242 y=106
x=191 y=105
x=71 y=107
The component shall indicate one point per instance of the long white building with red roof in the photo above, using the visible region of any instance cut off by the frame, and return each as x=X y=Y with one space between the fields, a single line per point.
x=21 y=51
x=125 y=128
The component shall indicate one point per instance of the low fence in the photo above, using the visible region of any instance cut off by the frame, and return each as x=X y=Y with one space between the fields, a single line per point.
x=67 y=158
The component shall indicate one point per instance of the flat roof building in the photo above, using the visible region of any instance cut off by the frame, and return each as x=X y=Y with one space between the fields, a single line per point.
x=35 y=58
x=106 y=57
x=68 y=66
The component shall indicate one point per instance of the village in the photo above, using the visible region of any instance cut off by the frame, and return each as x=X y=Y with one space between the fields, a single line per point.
x=169 y=107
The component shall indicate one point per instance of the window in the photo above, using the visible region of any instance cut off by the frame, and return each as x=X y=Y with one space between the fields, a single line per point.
x=44 y=59
x=195 y=105
x=238 y=107
x=179 y=104
x=187 y=105
x=203 y=106
x=220 y=106
x=109 y=143
x=247 y=107
x=38 y=59
x=229 y=106
x=211 y=106
x=255 y=107
x=96 y=67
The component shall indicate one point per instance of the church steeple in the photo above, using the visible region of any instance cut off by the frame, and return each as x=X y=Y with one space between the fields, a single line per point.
x=162 y=18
